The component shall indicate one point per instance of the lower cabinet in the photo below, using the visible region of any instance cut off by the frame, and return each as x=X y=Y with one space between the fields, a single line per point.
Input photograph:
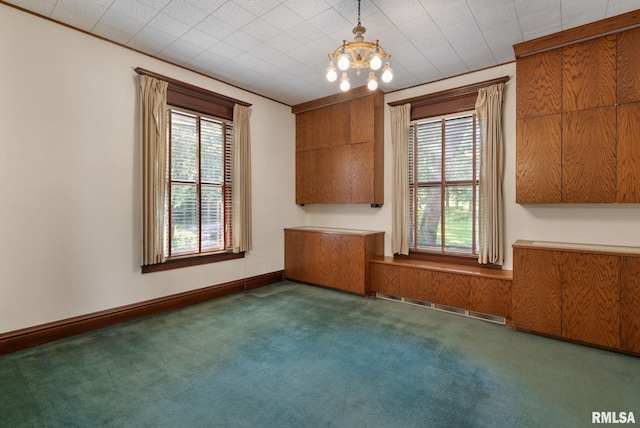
x=589 y=294
x=336 y=258
x=630 y=304
x=471 y=288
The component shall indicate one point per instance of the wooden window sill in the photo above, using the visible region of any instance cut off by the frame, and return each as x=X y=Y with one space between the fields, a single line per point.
x=181 y=262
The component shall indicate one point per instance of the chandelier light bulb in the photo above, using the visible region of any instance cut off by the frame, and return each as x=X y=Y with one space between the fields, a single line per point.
x=376 y=61
x=387 y=73
x=331 y=72
x=343 y=62
x=372 y=82
x=344 y=82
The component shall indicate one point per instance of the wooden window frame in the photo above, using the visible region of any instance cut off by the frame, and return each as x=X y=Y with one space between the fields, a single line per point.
x=442 y=185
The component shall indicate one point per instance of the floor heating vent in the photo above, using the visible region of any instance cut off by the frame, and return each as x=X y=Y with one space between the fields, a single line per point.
x=443 y=308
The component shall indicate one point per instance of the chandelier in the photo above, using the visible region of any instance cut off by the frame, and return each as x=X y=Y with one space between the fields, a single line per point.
x=358 y=55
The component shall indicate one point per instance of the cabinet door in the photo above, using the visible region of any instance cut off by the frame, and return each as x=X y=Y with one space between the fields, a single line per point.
x=361 y=173
x=362 y=119
x=589 y=156
x=338 y=130
x=302 y=256
x=591 y=298
x=402 y=281
x=451 y=290
x=589 y=74
x=538 y=160
x=384 y=279
x=537 y=291
x=490 y=296
x=630 y=304
x=538 y=84
x=628 y=66
x=342 y=262
x=306 y=176
x=628 y=187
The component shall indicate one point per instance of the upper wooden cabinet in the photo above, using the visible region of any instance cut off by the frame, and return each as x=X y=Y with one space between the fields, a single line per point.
x=577 y=130
x=339 y=152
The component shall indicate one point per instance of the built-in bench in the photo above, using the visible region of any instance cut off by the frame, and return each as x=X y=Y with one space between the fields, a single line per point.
x=471 y=290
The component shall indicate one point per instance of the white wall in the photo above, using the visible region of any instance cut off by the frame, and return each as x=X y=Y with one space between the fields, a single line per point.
x=69 y=177
x=613 y=224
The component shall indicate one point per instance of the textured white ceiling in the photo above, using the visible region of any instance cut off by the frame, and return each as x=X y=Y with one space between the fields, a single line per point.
x=278 y=48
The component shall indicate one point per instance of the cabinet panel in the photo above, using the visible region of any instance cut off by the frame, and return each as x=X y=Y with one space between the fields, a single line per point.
x=339 y=125
x=306 y=176
x=384 y=279
x=343 y=261
x=628 y=186
x=591 y=298
x=361 y=179
x=628 y=66
x=537 y=291
x=589 y=155
x=406 y=282
x=589 y=74
x=302 y=256
x=362 y=120
x=630 y=304
x=312 y=129
x=337 y=177
x=538 y=84
x=539 y=160
x=451 y=290
x=490 y=296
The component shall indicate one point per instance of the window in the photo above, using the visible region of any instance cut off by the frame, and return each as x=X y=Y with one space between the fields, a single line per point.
x=189 y=135
x=198 y=211
x=443 y=184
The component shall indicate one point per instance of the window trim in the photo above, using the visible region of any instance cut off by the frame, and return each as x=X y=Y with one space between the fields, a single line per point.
x=450 y=101
x=190 y=97
x=177 y=262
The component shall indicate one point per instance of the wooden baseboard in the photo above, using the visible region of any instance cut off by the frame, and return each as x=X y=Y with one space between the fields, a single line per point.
x=38 y=335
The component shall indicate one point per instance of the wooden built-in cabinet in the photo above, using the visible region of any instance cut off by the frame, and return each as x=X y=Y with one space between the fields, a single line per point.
x=339 y=152
x=336 y=258
x=584 y=293
x=473 y=288
x=577 y=128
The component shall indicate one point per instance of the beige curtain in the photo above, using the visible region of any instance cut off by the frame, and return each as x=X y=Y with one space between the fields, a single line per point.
x=154 y=167
x=491 y=214
x=241 y=179
x=400 y=121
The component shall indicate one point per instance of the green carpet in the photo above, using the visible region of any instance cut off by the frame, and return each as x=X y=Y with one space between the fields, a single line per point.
x=293 y=355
